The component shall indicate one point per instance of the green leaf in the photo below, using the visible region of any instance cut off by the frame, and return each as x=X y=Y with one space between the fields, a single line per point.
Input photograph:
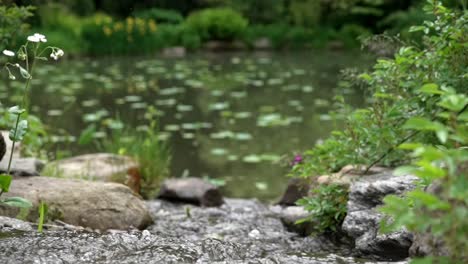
x=87 y=135
x=5 y=181
x=442 y=135
x=421 y=123
x=18 y=133
x=430 y=88
x=42 y=214
x=17 y=202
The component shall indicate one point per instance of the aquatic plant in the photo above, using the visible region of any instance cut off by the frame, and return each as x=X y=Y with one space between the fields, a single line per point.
x=22 y=63
x=147 y=148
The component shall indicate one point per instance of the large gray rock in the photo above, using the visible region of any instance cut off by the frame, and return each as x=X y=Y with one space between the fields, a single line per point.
x=95 y=205
x=23 y=166
x=191 y=190
x=105 y=167
x=363 y=219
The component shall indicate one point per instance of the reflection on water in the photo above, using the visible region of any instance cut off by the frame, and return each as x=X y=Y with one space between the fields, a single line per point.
x=228 y=116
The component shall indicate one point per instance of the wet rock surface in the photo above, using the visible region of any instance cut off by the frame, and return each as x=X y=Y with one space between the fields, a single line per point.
x=96 y=205
x=240 y=231
x=363 y=219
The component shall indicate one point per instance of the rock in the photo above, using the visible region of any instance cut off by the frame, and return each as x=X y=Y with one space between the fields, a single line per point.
x=174 y=52
x=296 y=189
x=425 y=244
x=262 y=43
x=348 y=174
x=191 y=190
x=362 y=220
x=216 y=45
x=2 y=146
x=239 y=231
x=8 y=224
x=105 y=167
x=96 y=205
x=23 y=167
x=8 y=144
x=290 y=214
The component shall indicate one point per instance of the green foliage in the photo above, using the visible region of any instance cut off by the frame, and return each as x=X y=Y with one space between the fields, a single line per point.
x=177 y=35
x=16 y=202
x=350 y=34
x=22 y=62
x=217 y=24
x=151 y=153
x=13 y=23
x=163 y=16
x=103 y=35
x=5 y=181
x=444 y=164
x=43 y=208
x=372 y=133
x=305 y=13
x=327 y=207
x=419 y=102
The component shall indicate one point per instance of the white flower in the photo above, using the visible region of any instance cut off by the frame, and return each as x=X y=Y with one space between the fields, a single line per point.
x=8 y=53
x=37 y=38
x=59 y=53
x=56 y=54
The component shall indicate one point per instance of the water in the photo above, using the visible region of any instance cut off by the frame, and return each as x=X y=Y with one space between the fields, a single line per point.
x=228 y=116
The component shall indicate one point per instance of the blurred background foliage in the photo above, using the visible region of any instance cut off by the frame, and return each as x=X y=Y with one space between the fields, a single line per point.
x=94 y=26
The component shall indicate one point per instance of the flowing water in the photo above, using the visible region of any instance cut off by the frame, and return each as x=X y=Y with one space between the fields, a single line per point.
x=229 y=117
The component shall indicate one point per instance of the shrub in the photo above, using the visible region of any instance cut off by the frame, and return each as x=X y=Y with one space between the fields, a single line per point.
x=327 y=207
x=177 y=35
x=103 y=35
x=152 y=155
x=163 y=16
x=12 y=23
x=420 y=96
x=282 y=35
x=217 y=24
x=350 y=34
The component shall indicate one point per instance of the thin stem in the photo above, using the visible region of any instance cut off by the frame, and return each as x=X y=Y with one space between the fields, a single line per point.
x=23 y=104
x=13 y=144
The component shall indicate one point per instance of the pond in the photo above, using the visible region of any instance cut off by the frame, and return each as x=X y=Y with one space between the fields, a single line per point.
x=228 y=117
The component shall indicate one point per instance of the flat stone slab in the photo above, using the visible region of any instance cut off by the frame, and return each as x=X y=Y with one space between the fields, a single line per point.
x=106 y=167
x=96 y=205
x=191 y=190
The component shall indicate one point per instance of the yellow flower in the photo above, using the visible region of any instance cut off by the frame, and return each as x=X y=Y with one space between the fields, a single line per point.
x=107 y=31
x=152 y=25
x=118 y=26
x=130 y=23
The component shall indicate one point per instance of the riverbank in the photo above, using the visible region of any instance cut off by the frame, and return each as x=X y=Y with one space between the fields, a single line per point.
x=239 y=231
